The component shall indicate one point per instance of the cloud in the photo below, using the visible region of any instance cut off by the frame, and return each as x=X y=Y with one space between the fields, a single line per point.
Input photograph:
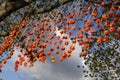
x=66 y=70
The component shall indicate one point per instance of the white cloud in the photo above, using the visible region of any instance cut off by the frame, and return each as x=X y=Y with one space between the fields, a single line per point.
x=66 y=70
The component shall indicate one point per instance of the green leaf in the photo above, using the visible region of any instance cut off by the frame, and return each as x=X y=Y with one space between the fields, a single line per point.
x=86 y=76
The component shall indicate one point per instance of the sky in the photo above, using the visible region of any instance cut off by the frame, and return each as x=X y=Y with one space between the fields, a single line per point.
x=66 y=70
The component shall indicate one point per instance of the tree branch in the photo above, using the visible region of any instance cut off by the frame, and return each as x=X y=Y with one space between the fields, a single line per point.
x=10 y=6
x=51 y=7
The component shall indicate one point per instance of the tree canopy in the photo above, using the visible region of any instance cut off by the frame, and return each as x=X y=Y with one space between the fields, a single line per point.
x=31 y=25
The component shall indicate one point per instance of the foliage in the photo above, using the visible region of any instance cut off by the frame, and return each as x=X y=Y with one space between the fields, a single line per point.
x=95 y=26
